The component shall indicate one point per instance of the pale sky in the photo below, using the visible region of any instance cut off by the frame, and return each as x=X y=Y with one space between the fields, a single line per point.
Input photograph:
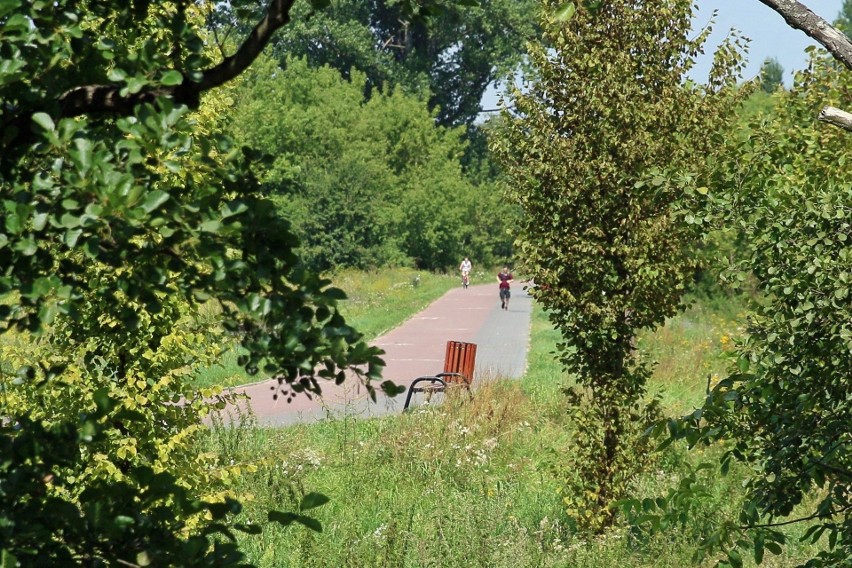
x=769 y=33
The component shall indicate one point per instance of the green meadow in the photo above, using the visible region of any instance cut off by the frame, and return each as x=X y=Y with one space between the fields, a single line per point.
x=475 y=481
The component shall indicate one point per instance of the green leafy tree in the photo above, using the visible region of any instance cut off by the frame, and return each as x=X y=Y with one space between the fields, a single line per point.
x=366 y=182
x=602 y=150
x=784 y=408
x=771 y=75
x=843 y=22
x=451 y=57
x=122 y=219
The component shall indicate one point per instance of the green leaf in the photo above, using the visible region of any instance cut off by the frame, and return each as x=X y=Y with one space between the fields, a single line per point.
x=134 y=85
x=773 y=547
x=735 y=559
x=102 y=399
x=71 y=236
x=143 y=558
x=211 y=226
x=6 y=8
x=171 y=78
x=83 y=153
x=124 y=521
x=47 y=313
x=565 y=12
x=7 y=559
x=758 y=548
x=26 y=247
x=44 y=120
x=69 y=221
x=117 y=75
x=91 y=247
x=391 y=389
x=154 y=199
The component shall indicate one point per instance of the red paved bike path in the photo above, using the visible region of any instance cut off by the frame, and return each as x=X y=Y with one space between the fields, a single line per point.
x=413 y=349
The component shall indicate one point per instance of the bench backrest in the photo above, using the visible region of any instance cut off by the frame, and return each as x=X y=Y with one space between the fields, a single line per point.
x=460 y=358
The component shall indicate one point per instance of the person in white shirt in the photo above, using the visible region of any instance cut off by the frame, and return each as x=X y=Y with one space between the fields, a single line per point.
x=465 y=268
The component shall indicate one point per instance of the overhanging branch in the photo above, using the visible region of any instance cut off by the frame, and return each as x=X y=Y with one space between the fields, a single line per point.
x=836 y=117
x=92 y=99
x=800 y=17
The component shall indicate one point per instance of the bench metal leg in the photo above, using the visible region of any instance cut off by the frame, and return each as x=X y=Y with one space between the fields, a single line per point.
x=412 y=388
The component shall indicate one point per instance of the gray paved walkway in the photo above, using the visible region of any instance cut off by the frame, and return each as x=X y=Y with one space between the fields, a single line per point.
x=417 y=348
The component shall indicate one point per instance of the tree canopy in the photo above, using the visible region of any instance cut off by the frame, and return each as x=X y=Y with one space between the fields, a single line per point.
x=365 y=182
x=452 y=57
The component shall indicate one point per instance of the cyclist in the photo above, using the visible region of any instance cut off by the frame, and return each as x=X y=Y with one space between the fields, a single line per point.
x=465 y=268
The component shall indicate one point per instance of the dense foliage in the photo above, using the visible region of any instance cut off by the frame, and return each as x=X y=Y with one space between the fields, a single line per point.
x=366 y=182
x=602 y=150
x=122 y=220
x=784 y=408
x=450 y=58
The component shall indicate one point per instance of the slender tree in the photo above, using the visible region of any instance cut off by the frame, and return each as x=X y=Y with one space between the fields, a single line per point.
x=600 y=148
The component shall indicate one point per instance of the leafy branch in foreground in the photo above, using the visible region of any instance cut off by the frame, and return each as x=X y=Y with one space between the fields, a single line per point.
x=123 y=221
x=784 y=410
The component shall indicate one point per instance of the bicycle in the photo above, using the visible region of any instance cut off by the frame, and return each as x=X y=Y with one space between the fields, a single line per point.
x=465 y=279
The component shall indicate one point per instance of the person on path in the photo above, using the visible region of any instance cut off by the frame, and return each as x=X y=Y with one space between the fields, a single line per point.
x=505 y=279
x=465 y=268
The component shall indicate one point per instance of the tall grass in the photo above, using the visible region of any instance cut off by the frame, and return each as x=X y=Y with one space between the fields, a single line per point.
x=691 y=351
x=463 y=484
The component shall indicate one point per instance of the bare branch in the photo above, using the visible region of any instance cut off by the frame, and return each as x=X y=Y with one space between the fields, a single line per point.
x=800 y=17
x=836 y=117
x=277 y=15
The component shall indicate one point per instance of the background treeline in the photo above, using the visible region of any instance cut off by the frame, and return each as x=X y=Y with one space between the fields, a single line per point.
x=367 y=182
x=368 y=120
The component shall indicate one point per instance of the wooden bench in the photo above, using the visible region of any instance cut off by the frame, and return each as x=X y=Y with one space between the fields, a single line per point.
x=459 y=363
